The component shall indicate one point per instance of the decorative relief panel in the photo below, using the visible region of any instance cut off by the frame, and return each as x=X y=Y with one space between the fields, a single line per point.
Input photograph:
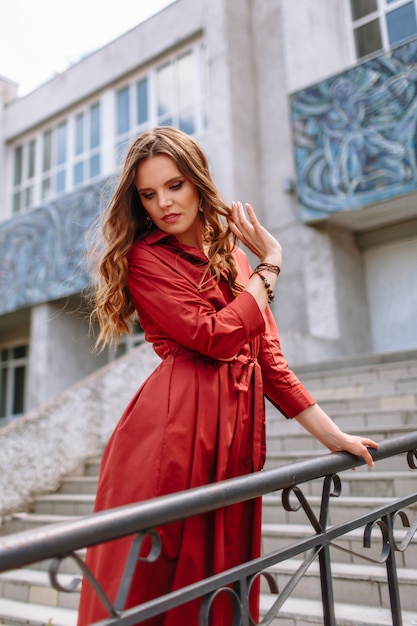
x=42 y=252
x=355 y=135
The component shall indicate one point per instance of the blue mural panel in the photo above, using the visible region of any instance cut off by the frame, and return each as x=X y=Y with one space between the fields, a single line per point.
x=355 y=135
x=42 y=252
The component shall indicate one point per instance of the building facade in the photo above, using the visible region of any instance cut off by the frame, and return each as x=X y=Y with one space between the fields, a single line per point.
x=306 y=110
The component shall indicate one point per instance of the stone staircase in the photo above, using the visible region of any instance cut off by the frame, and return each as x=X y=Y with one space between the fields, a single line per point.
x=375 y=395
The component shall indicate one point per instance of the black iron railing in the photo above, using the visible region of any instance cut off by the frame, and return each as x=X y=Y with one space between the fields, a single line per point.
x=62 y=541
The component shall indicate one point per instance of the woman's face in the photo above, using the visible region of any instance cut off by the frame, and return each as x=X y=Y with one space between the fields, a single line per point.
x=170 y=198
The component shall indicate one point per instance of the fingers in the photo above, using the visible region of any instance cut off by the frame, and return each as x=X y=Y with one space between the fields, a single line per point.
x=244 y=222
x=245 y=226
x=364 y=452
x=368 y=458
x=370 y=443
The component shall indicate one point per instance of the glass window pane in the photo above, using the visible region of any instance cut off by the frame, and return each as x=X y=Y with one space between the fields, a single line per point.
x=95 y=165
x=18 y=160
x=31 y=158
x=368 y=38
x=362 y=7
x=47 y=150
x=19 y=352
x=19 y=390
x=401 y=23
x=46 y=188
x=95 y=125
x=79 y=133
x=142 y=114
x=17 y=202
x=61 y=143
x=4 y=355
x=3 y=392
x=123 y=111
x=60 y=182
x=78 y=173
x=28 y=196
x=187 y=123
x=186 y=80
x=165 y=86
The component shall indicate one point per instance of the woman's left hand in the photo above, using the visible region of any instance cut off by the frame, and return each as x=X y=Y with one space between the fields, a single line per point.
x=356 y=445
x=251 y=233
x=319 y=424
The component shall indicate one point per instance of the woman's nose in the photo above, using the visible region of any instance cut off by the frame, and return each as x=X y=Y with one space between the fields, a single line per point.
x=164 y=201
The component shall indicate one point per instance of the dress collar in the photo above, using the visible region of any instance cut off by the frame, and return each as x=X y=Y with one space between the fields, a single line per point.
x=156 y=236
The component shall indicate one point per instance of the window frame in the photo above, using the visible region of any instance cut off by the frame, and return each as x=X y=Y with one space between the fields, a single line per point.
x=198 y=106
x=10 y=365
x=51 y=171
x=383 y=8
x=88 y=151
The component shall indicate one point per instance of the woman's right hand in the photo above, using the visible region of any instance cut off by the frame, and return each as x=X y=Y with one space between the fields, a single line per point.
x=253 y=235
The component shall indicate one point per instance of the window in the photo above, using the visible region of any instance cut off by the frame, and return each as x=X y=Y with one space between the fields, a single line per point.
x=124 y=122
x=13 y=367
x=87 y=142
x=54 y=160
x=177 y=93
x=57 y=159
x=171 y=94
x=23 y=176
x=381 y=24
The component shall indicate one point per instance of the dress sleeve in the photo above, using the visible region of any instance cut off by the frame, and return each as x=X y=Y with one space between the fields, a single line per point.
x=172 y=301
x=281 y=385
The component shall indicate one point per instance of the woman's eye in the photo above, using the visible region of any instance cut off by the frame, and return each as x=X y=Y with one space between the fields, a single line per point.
x=177 y=186
x=147 y=196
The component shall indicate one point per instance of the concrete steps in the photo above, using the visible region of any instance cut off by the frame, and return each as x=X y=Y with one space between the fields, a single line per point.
x=15 y=613
x=378 y=399
x=278 y=536
x=301 y=612
x=372 y=590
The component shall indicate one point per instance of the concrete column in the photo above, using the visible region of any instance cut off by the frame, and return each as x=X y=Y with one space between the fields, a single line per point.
x=60 y=350
x=8 y=91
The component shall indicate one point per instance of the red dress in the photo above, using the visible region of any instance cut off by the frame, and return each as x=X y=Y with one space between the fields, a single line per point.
x=197 y=419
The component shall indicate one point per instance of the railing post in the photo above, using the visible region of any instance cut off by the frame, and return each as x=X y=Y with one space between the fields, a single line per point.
x=327 y=598
x=392 y=578
x=326 y=583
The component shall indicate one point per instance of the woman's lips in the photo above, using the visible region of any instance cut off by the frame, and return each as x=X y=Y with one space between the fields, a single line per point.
x=171 y=218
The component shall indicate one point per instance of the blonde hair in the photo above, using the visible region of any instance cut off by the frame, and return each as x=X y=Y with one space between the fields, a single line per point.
x=123 y=223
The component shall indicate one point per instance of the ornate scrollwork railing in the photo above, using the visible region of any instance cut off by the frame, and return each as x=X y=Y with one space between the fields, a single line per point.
x=62 y=541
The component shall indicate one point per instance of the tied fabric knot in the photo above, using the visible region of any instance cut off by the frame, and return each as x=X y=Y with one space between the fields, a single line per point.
x=242 y=368
x=246 y=369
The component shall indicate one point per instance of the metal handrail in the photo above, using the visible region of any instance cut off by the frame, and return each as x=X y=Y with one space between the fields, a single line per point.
x=63 y=539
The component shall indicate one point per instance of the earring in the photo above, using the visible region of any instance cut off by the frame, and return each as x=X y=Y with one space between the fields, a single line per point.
x=148 y=222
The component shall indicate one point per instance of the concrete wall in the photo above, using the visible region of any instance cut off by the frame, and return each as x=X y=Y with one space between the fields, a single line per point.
x=313 y=314
x=317 y=40
x=8 y=91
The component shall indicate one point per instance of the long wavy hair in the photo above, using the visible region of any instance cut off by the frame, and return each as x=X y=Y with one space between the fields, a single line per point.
x=124 y=222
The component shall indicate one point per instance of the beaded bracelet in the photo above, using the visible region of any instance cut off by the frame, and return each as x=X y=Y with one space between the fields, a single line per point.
x=266 y=283
x=267 y=266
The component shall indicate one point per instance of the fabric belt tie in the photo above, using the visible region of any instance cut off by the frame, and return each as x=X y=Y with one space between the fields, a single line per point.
x=246 y=369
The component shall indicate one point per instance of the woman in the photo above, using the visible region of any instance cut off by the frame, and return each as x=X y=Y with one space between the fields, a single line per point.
x=170 y=254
